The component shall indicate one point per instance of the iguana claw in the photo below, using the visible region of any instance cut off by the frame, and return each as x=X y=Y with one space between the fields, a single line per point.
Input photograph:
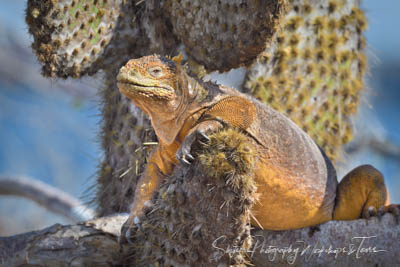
x=204 y=136
x=184 y=152
x=392 y=208
x=126 y=230
x=186 y=161
x=191 y=158
x=371 y=212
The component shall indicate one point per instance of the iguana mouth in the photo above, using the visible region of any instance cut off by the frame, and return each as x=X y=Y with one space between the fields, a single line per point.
x=131 y=86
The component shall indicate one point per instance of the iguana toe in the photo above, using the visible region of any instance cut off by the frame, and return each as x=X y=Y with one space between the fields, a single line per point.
x=186 y=161
x=184 y=152
x=184 y=156
x=189 y=156
x=370 y=212
x=127 y=229
x=202 y=137
x=394 y=209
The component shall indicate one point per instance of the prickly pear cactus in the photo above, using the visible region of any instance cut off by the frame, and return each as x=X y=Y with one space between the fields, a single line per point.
x=126 y=139
x=313 y=71
x=214 y=233
x=77 y=37
x=71 y=37
x=220 y=35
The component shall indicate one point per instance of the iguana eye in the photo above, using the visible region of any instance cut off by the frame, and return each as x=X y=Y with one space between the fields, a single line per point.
x=155 y=72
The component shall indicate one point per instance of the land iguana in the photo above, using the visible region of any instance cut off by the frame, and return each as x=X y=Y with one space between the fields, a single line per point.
x=297 y=183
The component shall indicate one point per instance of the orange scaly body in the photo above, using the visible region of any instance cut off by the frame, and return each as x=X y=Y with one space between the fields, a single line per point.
x=296 y=182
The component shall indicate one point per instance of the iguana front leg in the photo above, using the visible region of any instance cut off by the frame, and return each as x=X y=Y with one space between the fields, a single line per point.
x=361 y=194
x=159 y=166
x=145 y=189
x=198 y=133
x=235 y=111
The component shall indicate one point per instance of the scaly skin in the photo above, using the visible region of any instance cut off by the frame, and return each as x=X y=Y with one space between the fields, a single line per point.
x=296 y=182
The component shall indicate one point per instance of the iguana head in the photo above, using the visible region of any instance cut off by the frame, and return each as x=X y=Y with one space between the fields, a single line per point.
x=161 y=88
x=150 y=77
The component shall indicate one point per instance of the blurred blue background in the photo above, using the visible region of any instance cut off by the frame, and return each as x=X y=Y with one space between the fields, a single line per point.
x=48 y=128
